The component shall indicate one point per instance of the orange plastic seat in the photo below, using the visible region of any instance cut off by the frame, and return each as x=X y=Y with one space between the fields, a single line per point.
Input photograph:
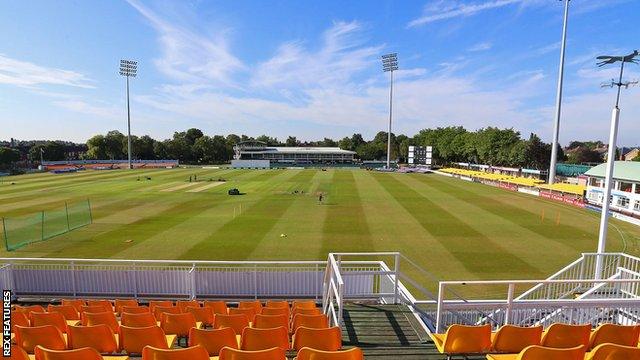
x=249 y=312
x=202 y=314
x=255 y=305
x=77 y=354
x=275 y=353
x=566 y=336
x=304 y=304
x=145 y=319
x=191 y=353
x=29 y=309
x=48 y=336
x=106 y=318
x=262 y=339
x=178 y=324
x=236 y=322
x=614 y=352
x=163 y=303
x=133 y=340
x=329 y=339
x=159 y=310
x=184 y=304
x=313 y=354
x=614 y=334
x=464 y=339
x=536 y=352
x=19 y=318
x=106 y=304
x=18 y=353
x=309 y=321
x=68 y=311
x=134 y=310
x=306 y=311
x=99 y=337
x=511 y=339
x=276 y=311
x=219 y=307
x=44 y=318
x=76 y=303
x=213 y=340
x=120 y=303
x=271 y=321
x=277 y=304
x=91 y=309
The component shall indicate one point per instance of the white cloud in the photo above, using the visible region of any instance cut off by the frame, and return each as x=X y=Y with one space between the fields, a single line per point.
x=483 y=46
x=341 y=56
x=29 y=75
x=188 y=56
x=83 y=107
x=449 y=9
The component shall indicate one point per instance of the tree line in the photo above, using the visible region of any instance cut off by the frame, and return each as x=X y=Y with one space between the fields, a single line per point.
x=451 y=144
x=490 y=145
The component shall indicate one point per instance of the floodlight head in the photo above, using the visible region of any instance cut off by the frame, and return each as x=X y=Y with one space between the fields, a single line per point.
x=128 y=68
x=390 y=62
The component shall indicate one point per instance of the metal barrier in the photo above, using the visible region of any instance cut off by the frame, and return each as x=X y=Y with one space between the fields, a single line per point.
x=603 y=304
x=583 y=268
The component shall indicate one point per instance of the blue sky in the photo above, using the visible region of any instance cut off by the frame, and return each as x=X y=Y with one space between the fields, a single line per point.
x=310 y=69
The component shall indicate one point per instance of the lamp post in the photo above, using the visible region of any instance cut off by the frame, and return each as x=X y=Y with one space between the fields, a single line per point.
x=390 y=64
x=556 y=123
x=128 y=68
x=611 y=154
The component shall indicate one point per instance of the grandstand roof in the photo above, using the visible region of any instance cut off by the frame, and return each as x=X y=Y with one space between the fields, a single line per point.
x=565 y=188
x=623 y=170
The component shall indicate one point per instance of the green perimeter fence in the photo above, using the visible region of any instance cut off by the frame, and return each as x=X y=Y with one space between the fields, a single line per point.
x=21 y=231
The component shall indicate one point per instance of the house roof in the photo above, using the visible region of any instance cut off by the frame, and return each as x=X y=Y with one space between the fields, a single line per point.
x=622 y=170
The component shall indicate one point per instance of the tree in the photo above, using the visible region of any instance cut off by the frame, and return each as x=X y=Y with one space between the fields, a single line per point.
x=192 y=135
x=582 y=154
x=114 y=145
x=292 y=141
x=96 y=148
x=51 y=151
x=160 y=150
x=637 y=158
x=8 y=157
x=143 y=148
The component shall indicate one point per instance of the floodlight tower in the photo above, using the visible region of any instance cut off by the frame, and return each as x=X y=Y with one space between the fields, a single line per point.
x=556 y=123
x=390 y=64
x=128 y=68
x=611 y=154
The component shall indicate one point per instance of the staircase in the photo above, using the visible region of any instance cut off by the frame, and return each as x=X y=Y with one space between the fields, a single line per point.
x=386 y=332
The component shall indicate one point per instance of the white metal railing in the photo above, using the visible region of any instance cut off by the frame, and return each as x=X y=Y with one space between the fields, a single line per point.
x=581 y=269
x=333 y=292
x=609 y=307
x=180 y=279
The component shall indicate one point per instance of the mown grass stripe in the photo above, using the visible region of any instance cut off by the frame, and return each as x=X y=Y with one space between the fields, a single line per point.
x=474 y=250
x=237 y=239
x=345 y=227
x=561 y=233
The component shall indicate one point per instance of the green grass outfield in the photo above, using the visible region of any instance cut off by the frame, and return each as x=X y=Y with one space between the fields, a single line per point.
x=453 y=228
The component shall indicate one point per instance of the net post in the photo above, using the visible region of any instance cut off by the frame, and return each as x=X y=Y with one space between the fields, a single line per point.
x=90 y=214
x=66 y=210
x=4 y=230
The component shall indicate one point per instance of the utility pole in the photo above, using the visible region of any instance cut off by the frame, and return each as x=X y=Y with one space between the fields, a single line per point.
x=556 y=123
x=611 y=155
